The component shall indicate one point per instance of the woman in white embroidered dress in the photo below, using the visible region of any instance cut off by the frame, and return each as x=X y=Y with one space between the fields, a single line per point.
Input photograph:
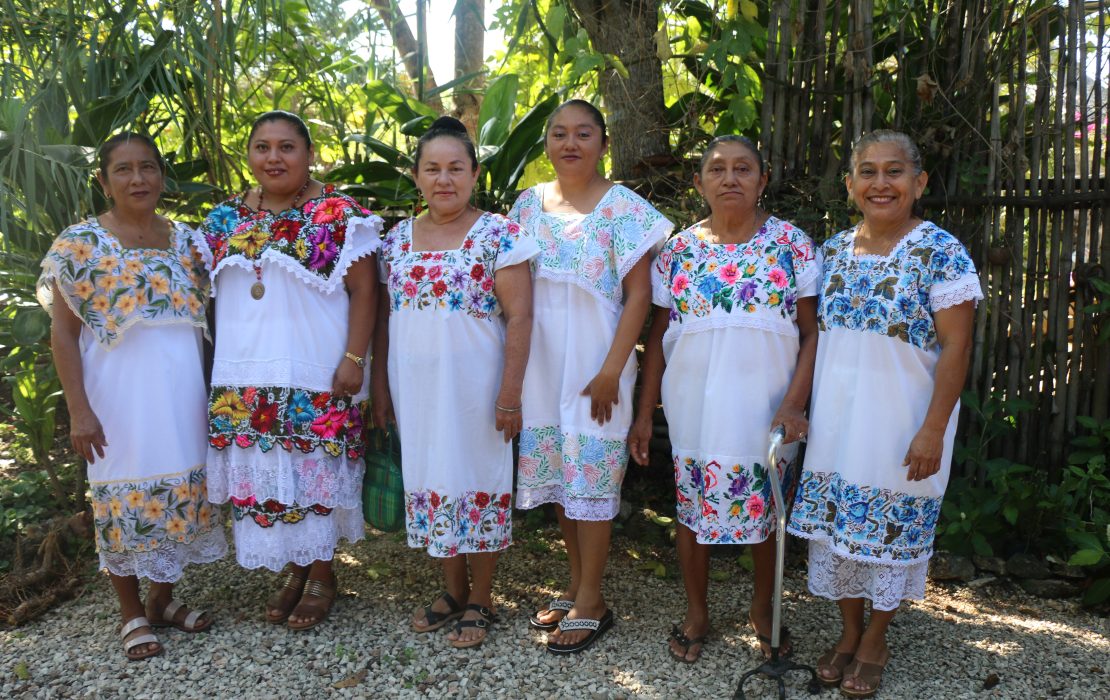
x=592 y=293
x=895 y=317
x=127 y=296
x=295 y=288
x=731 y=348
x=458 y=295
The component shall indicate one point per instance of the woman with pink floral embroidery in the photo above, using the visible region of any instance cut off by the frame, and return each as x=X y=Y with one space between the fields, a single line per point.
x=126 y=293
x=731 y=347
x=458 y=295
x=295 y=288
x=593 y=291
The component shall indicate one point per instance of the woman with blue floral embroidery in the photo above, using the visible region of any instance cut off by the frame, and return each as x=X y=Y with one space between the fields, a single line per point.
x=731 y=350
x=593 y=291
x=295 y=287
x=895 y=315
x=458 y=295
x=126 y=292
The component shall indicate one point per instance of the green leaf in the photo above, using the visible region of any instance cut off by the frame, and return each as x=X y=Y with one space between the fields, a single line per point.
x=980 y=545
x=495 y=116
x=1086 y=557
x=30 y=325
x=1011 y=514
x=1098 y=592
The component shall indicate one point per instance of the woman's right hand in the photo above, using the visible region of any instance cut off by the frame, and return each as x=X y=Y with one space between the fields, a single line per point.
x=381 y=404
x=86 y=435
x=639 y=440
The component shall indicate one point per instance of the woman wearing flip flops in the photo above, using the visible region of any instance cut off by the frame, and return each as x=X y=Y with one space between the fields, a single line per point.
x=731 y=348
x=896 y=308
x=127 y=294
x=449 y=366
x=593 y=290
x=295 y=287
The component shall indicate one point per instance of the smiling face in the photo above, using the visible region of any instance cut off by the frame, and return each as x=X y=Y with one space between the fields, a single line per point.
x=279 y=157
x=132 y=177
x=884 y=185
x=445 y=175
x=574 y=142
x=731 y=179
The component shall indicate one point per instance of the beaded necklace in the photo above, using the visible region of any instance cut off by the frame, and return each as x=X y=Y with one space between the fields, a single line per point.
x=258 y=290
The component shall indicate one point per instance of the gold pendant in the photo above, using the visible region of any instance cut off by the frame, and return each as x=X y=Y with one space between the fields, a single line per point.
x=257 y=290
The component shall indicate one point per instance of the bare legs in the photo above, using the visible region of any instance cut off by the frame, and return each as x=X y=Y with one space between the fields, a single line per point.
x=469 y=580
x=587 y=544
x=694 y=560
x=309 y=610
x=131 y=606
x=868 y=642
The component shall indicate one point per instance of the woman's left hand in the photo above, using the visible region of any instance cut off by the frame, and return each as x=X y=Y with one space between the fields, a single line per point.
x=509 y=422
x=602 y=391
x=794 y=422
x=923 y=457
x=348 y=378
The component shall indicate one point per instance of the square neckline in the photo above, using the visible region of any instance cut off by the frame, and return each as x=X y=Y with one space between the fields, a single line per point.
x=458 y=248
x=579 y=216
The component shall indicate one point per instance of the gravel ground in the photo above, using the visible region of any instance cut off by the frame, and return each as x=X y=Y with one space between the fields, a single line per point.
x=950 y=646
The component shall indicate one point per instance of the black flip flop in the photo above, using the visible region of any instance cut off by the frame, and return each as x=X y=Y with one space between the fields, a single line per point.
x=436 y=619
x=685 y=642
x=556 y=604
x=596 y=627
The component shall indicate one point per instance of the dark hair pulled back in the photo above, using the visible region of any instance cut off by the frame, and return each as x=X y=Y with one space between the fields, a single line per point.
x=104 y=153
x=453 y=128
x=744 y=141
x=595 y=116
x=280 y=115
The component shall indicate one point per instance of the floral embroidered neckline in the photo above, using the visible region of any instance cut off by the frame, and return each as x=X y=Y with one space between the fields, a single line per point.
x=578 y=215
x=478 y=225
x=327 y=191
x=114 y=239
x=699 y=235
x=851 y=247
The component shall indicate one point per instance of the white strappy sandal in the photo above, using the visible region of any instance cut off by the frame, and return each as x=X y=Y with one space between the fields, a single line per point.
x=129 y=644
x=189 y=624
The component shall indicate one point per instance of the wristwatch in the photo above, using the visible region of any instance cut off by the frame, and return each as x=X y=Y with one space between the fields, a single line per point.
x=360 y=361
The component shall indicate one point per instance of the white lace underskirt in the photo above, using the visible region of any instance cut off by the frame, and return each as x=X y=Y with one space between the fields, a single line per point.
x=576 y=508
x=167 y=563
x=314 y=538
x=287 y=477
x=886 y=586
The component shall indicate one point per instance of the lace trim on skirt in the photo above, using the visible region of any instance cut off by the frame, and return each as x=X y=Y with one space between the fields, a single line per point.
x=301 y=543
x=837 y=577
x=167 y=562
x=596 y=509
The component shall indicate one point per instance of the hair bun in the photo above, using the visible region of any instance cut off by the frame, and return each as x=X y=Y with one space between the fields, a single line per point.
x=448 y=124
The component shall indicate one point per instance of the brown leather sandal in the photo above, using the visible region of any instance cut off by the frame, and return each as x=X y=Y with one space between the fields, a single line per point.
x=281 y=603
x=316 y=602
x=870 y=673
x=835 y=660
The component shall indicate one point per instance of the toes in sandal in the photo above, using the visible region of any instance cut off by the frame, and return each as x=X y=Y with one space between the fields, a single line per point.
x=596 y=627
x=191 y=624
x=316 y=602
x=870 y=673
x=483 y=623
x=786 y=646
x=835 y=660
x=556 y=605
x=685 y=642
x=285 y=598
x=130 y=644
x=437 y=619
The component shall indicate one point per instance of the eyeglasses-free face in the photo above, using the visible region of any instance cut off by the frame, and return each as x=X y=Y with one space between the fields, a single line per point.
x=279 y=158
x=133 y=178
x=884 y=186
x=445 y=175
x=574 y=143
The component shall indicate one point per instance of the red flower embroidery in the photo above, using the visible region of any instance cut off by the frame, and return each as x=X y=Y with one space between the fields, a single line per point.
x=285 y=230
x=477 y=272
x=481 y=499
x=505 y=500
x=439 y=288
x=264 y=416
x=417 y=272
x=435 y=500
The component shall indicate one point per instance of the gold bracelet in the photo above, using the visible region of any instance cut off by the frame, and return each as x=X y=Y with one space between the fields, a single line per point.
x=360 y=361
x=499 y=407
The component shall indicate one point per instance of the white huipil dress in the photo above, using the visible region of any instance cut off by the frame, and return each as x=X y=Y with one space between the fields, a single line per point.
x=870 y=529
x=286 y=452
x=142 y=314
x=565 y=456
x=446 y=354
x=731 y=350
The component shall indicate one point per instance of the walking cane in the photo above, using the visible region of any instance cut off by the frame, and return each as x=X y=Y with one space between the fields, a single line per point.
x=776 y=668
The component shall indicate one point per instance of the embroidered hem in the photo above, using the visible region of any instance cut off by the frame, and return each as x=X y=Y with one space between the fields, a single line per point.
x=167 y=563
x=451 y=524
x=575 y=507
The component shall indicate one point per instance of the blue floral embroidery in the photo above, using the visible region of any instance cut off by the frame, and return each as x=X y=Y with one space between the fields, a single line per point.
x=890 y=296
x=865 y=521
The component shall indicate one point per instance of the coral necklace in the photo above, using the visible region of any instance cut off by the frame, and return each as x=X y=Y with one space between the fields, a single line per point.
x=258 y=289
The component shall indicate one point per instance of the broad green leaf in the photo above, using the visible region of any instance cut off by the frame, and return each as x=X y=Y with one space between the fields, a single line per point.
x=498 y=108
x=1086 y=557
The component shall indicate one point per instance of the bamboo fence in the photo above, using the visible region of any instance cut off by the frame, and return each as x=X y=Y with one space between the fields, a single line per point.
x=1008 y=104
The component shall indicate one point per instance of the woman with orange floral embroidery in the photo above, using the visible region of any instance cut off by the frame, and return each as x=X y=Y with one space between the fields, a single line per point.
x=129 y=358
x=296 y=293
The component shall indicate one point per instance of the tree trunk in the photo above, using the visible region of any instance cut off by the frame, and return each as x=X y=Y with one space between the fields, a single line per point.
x=407 y=46
x=470 y=34
x=638 y=132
